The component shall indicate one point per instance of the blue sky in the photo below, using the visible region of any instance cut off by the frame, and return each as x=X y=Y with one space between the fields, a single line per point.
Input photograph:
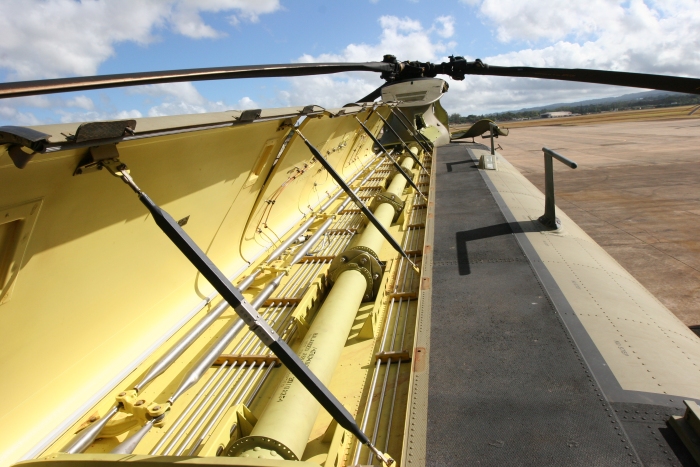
x=59 y=38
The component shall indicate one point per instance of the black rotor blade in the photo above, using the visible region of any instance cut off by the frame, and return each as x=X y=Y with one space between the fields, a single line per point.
x=615 y=78
x=50 y=86
x=458 y=67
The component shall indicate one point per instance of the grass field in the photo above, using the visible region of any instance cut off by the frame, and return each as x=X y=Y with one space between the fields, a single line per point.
x=667 y=113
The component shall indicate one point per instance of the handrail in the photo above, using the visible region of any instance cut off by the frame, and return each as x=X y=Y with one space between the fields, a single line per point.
x=559 y=157
x=549 y=217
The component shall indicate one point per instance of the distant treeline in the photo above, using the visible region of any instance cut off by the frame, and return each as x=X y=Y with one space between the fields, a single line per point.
x=643 y=103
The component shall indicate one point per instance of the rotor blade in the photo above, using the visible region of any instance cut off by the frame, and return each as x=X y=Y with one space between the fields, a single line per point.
x=583 y=75
x=458 y=67
x=50 y=86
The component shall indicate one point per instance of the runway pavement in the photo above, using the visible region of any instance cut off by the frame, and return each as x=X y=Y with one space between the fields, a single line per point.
x=636 y=192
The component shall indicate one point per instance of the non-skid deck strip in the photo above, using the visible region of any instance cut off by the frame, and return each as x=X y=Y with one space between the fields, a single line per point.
x=507 y=384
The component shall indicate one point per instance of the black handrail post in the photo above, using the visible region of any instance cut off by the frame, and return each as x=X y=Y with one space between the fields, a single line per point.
x=549 y=218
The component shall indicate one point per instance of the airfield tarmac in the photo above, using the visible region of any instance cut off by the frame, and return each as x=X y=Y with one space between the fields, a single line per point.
x=636 y=192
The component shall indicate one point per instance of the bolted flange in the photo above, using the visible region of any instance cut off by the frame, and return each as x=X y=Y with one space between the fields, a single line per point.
x=259 y=447
x=365 y=261
x=391 y=198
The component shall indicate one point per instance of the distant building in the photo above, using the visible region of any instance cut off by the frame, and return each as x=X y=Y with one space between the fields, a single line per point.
x=555 y=114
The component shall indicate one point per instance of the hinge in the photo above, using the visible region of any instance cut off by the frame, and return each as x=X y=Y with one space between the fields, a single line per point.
x=97 y=154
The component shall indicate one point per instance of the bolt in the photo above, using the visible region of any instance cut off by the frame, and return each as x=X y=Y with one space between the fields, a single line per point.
x=93 y=418
x=139 y=402
x=343 y=259
x=376 y=276
x=156 y=408
x=122 y=394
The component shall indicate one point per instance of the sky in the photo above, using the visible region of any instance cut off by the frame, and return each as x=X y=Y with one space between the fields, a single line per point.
x=62 y=38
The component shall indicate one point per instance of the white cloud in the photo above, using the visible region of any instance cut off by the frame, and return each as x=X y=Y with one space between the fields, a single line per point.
x=82 y=102
x=551 y=19
x=402 y=37
x=95 y=115
x=178 y=98
x=447 y=24
x=624 y=35
x=607 y=34
x=327 y=91
x=183 y=92
x=652 y=37
x=53 y=38
x=183 y=98
x=18 y=118
x=246 y=103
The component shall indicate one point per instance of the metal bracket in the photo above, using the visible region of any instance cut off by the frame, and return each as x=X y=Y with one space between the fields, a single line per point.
x=363 y=260
x=93 y=161
x=271 y=268
x=286 y=123
x=19 y=137
x=387 y=197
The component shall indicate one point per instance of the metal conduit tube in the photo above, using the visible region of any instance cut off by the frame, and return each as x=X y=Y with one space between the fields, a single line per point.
x=245 y=283
x=283 y=313
x=233 y=328
x=229 y=376
x=283 y=429
x=87 y=436
x=263 y=295
x=176 y=423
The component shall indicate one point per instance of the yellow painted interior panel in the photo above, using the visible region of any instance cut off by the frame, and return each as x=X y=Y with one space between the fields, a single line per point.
x=96 y=257
x=101 y=292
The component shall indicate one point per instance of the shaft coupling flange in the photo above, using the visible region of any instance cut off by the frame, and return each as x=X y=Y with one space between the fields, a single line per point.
x=364 y=260
x=260 y=447
x=388 y=197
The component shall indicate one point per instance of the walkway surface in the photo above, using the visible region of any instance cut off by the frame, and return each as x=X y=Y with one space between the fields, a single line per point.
x=507 y=384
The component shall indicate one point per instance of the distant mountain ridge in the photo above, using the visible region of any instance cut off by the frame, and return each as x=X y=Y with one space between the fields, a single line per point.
x=606 y=100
